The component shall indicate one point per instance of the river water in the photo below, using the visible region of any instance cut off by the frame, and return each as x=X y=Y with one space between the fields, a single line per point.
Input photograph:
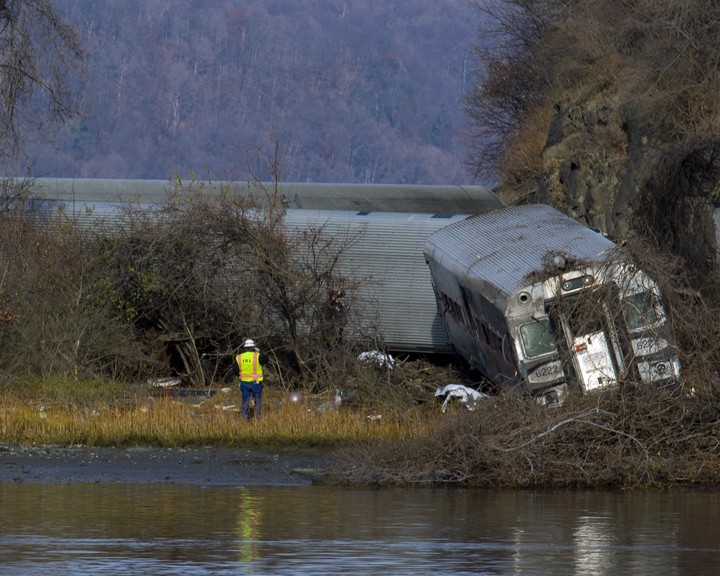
x=158 y=529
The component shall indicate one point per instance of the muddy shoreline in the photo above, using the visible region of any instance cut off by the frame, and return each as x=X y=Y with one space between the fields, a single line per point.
x=201 y=466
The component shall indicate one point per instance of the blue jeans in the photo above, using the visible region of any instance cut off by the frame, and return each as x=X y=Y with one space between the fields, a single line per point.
x=252 y=390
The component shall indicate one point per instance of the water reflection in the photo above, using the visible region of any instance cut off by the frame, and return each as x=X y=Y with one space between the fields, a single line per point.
x=248 y=524
x=167 y=529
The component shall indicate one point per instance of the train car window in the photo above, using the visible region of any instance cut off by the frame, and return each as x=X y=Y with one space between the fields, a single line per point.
x=537 y=338
x=465 y=307
x=495 y=341
x=639 y=310
x=454 y=309
x=464 y=318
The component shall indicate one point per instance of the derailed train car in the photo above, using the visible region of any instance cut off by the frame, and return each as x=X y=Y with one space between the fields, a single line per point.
x=532 y=298
x=504 y=289
x=388 y=225
x=381 y=254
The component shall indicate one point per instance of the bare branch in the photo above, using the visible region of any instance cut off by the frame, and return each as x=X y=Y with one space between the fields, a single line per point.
x=39 y=54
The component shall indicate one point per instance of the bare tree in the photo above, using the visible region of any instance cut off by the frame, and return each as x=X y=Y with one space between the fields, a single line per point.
x=512 y=80
x=61 y=321
x=39 y=53
x=657 y=60
x=204 y=271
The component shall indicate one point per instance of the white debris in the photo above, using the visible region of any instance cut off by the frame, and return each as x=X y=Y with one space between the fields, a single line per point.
x=374 y=356
x=468 y=396
x=163 y=382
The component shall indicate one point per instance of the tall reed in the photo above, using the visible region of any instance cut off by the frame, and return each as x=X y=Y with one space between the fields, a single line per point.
x=215 y=421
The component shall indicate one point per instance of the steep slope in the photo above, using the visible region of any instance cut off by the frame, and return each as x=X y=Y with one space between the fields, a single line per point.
x=355 y=90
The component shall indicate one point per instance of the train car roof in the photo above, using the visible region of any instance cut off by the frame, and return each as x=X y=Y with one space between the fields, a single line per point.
x=501 y=248
x=415 y=198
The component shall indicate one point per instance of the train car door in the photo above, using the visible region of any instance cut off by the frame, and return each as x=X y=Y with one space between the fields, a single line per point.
x=591 y=356
x=594 y=361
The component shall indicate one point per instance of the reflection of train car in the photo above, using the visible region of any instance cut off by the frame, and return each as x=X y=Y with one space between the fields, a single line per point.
x=510 y=285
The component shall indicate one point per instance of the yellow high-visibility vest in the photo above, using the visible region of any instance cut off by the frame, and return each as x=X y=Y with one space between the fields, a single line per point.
x=250 y=368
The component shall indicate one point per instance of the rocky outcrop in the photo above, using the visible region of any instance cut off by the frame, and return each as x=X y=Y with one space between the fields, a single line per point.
x=592 y=160
x=606 y=166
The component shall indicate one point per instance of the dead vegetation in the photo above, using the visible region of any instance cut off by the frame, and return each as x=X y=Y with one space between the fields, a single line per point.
x=633 y=435
x=134 y=294
x=184 y=286
x=629 y=437
x=652 y=61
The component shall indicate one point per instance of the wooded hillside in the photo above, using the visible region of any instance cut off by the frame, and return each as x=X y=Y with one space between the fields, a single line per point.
x=356 y=90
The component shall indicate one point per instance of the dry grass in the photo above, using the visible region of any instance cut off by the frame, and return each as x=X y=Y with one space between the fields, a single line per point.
x=214 y=421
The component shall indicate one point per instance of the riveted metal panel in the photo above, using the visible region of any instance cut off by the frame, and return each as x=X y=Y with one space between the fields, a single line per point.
x=385 y=256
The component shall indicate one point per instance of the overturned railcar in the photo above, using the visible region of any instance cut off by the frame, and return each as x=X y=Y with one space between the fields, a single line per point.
x=532 y=298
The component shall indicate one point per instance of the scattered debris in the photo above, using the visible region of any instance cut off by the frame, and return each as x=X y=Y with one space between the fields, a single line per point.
x=374 y=356
x=330 y=405
x=184 y=392
x=468 y=396
x=164 y=382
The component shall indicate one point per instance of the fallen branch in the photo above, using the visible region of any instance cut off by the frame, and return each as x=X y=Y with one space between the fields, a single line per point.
x=577 y=418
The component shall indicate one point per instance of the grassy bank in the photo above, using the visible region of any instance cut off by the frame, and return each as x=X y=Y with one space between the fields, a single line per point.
x=100 y=415
x=629 y=436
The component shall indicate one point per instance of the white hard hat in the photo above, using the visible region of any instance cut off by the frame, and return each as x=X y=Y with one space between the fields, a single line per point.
x=249 y=343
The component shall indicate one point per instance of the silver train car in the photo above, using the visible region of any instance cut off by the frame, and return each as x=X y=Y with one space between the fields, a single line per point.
x=392 y=302
x=381 y=253
x=388 y=224
x=509 y=286
x=440 y=281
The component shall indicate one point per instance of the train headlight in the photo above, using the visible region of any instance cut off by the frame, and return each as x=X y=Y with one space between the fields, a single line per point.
x=661 y=368
x=658 y=371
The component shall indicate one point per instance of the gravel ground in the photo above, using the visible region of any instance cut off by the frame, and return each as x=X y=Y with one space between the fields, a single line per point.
x=205 y=466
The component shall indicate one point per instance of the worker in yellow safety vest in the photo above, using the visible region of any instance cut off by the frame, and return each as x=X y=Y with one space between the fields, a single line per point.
x=248 y=367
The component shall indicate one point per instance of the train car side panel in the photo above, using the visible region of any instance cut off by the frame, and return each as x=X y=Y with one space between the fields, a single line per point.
x=393 y=294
